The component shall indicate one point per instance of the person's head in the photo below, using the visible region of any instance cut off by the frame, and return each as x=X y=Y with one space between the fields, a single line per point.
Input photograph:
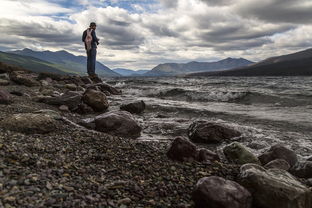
x=93 y=25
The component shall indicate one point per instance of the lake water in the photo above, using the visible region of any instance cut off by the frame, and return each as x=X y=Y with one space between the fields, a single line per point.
x=268 y=110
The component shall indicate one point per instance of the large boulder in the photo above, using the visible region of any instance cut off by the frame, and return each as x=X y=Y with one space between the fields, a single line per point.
x=302 y=169
x=70 y=99
x=118 y=123
x=135 y=107
x=279 y=152
x=237 y=153
x=96 y=100
x=274 y=188
x=30 y=123
x=5 y=97
x=216 y=192
x=23 y=78
x=182 y=150
x=208 y=132
x=279 y=164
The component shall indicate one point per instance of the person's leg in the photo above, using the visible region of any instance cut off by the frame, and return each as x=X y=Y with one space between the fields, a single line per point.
x=89 y=63
x=93 y=60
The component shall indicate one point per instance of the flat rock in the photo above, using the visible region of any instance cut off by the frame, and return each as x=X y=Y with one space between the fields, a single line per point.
x=118 y=123
x=135 y=107
x=274 y=188
x=208 y=132
x=239 y=154
x=30 y=123
x=70 y=99
x=182 y=150
x=23 y=78
x=279 y=152
x=217 y=192
x=279 y=164
x=108 y=88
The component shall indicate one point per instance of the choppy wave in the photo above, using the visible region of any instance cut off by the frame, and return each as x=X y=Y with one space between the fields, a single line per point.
x=243 y=97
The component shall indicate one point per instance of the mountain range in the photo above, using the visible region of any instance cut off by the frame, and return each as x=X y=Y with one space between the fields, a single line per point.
x=173 y=69
x=65 y=61
x=295 y=64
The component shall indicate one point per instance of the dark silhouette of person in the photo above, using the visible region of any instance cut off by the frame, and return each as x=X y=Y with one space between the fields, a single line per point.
x=91 y=50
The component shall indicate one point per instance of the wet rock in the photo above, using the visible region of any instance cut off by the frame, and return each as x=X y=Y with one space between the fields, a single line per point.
x=29 y=123
x=217 y=192
x=279 y=164
x=4 y=82
x=70 y=98
x=237 y=153
x=108 y=88
x=274 y=188
x=23 y=78
x=204 y=155
x=5 y=97
x=86 y=80
x=71 y=87
x=46 y=75
x=135 y=107
x=279 y=152
x=182 y=150
x=118 y=123
x=302 y=169
x=96 y=100
x=208 y=132
x=64 y=108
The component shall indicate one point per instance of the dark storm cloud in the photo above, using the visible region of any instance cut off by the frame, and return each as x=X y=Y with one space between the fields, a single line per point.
x=43 y=32
x=287 y=11
x=120 y=37
x=218 y=2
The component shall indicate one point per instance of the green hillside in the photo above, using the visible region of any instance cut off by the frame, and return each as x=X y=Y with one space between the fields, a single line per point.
x=32 y=64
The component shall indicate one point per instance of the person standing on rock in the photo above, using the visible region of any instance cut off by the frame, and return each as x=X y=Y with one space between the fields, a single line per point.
x=91 y=41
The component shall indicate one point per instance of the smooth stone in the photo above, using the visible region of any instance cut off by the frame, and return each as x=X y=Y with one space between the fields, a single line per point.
x=279 y=164
x=182 y=149
x=217 y=192
x=135 y=107
x=118 y=123
x=237 y=153
x=274 y=188
x=96 y=100
x=209 y=132
x=279 y=152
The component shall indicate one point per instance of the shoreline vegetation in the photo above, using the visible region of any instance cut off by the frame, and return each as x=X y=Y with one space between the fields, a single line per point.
x=61 y=146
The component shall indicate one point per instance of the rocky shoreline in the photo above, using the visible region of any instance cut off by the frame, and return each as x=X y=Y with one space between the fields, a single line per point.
x=61 y=145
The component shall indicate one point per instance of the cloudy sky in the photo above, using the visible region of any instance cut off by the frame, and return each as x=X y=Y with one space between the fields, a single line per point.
x=139 y=34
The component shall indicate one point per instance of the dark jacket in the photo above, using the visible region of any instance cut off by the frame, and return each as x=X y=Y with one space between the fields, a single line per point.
x=95 y=40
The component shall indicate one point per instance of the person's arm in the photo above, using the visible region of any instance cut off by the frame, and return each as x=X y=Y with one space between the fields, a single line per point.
x=84 y=34
x=94 y=37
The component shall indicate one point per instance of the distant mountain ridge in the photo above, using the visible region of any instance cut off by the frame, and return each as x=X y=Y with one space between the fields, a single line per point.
x=172 y=69
x=295 y=64
x=31 y=63
x=129 y=72
x=64 y=59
